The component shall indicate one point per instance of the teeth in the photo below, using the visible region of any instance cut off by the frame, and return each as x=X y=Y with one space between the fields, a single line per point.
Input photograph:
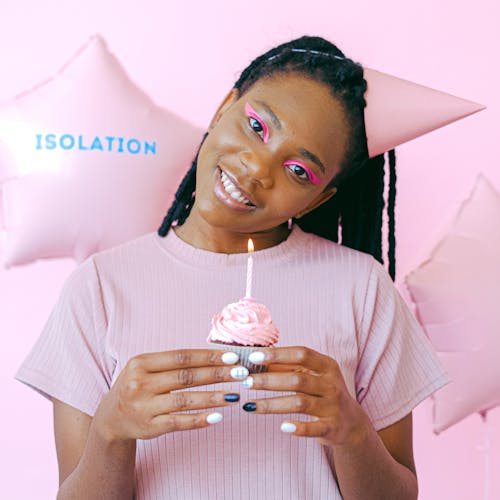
x=231 y=189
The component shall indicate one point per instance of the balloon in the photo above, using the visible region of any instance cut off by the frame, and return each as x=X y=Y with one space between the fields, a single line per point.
x=457 y=297
x=398 y=110
x=87 y=161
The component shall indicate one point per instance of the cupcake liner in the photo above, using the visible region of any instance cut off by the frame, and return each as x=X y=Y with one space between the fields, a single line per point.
x=243 y=352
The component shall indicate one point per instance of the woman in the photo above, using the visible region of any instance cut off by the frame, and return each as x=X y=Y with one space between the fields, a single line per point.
x=122 y=355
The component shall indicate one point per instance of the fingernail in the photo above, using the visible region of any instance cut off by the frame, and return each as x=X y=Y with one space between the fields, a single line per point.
x=214 y=418
x=256 y=357
x=248 y=382
x=239 y=372
x=230 y=358
x=249 y=406
x=232 y=397
x=288 y=427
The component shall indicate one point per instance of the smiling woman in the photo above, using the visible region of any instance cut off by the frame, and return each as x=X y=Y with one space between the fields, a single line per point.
x=122 y=355
x=275 y=160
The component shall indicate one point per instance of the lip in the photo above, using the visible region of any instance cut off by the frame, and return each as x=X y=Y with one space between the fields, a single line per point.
x=228 y=200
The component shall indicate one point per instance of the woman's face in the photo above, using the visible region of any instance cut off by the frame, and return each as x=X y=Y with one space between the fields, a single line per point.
x=269 y=155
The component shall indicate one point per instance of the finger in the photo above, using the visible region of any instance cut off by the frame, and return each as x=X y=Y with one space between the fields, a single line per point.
x=317 y=429
x=294 y=381
x=191 y=400
x=298 y=355
x=296 y=403
x=181 y=358
x=284 y=368
x=163 y=424
x=183 y=378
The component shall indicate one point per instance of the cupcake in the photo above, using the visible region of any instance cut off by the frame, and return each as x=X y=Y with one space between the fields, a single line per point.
x=243 y=327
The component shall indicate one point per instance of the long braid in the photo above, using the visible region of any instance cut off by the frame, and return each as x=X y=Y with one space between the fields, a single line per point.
x=391 y=204
x=376 y=193
x=184 y=199
x=181 y=201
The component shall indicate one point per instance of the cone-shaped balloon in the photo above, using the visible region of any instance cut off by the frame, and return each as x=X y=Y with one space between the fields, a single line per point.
x=398 y=110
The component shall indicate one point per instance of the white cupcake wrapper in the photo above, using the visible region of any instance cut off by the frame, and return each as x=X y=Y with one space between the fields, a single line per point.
x=243 y=353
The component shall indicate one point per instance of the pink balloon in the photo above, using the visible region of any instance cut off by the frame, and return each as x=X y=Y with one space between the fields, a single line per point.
x=87 y=161
x=457 y=297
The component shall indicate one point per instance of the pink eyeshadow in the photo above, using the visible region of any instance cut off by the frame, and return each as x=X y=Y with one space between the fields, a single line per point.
x=314 y=179
x=253 y=114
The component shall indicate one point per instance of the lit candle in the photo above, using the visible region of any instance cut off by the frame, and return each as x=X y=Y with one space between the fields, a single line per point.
x=249 y=270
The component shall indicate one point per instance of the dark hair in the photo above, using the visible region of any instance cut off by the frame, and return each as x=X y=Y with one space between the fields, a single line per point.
x=356 y=211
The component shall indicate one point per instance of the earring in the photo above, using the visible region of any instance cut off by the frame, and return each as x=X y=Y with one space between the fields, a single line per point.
x=290 y=223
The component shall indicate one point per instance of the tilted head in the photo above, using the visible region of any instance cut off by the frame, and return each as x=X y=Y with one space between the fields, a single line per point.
x=357 y=208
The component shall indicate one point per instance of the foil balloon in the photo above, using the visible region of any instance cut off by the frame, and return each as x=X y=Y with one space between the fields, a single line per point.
x=87 y=161
x=456 y=293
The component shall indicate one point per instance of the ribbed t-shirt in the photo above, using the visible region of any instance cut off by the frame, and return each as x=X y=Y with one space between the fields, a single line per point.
x=156 y=294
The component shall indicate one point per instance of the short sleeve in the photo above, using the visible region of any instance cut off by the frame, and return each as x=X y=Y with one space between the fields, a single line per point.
x=69 y=361
x=398 y=367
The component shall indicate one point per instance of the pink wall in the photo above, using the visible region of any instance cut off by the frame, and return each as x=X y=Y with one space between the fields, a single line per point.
x=186 y=55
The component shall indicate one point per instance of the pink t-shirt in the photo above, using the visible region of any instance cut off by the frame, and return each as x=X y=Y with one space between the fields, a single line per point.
x=156 y=294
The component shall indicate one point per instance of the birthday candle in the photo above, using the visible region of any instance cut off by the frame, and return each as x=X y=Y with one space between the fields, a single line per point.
x=248 y=294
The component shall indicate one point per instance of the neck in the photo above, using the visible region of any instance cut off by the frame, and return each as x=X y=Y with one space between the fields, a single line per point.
x=198 y=233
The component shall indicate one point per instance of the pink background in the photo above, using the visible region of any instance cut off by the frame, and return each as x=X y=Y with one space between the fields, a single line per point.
x=186 y=55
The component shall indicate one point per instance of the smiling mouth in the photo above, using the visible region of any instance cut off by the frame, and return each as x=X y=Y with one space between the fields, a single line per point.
x=233 y=191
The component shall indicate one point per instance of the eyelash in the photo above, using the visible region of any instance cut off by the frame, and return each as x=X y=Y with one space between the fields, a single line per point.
x=253 y=118
x=254 y=121
x=310 y=175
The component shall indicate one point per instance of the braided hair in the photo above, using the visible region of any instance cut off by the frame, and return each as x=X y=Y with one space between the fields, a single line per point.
x=354 y=216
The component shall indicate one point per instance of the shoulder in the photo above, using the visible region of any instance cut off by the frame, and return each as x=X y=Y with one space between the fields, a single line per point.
x=116 y=261
x=142 y=247
x=328 y=253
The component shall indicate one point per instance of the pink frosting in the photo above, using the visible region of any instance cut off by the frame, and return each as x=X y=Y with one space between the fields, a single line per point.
x=245 y=322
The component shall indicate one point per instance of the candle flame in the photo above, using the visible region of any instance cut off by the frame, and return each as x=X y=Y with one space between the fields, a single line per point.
x=250 y=245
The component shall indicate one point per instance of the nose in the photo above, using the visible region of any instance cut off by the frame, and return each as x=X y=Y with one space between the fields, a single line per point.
x=259 y=169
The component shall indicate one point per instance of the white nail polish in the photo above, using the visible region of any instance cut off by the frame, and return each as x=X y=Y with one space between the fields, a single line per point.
x=214 y=418
x=256 y=357
x=288 y=427
x=248 y=382
x=239 y=372
x=230 y=358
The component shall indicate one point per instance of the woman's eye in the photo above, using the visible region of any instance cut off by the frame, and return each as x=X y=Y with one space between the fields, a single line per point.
x=299 y=171
x=257 y=127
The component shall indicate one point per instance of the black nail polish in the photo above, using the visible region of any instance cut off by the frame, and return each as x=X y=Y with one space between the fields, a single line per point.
x=232 y=397
x=249 y=406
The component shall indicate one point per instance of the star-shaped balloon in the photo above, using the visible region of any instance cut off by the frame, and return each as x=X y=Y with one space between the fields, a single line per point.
x=87 y=160
x=457 y=297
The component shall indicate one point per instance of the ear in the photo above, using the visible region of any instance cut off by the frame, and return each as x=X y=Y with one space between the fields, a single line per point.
x=324 y=196
x=228 y=101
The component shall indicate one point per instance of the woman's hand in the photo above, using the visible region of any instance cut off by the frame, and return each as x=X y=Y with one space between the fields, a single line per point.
x=320 y=392
x=144 y=401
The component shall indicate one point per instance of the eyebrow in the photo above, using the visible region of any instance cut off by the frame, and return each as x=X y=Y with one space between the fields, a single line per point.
x=313 y=158
x=271 y=113
x=304 y=152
